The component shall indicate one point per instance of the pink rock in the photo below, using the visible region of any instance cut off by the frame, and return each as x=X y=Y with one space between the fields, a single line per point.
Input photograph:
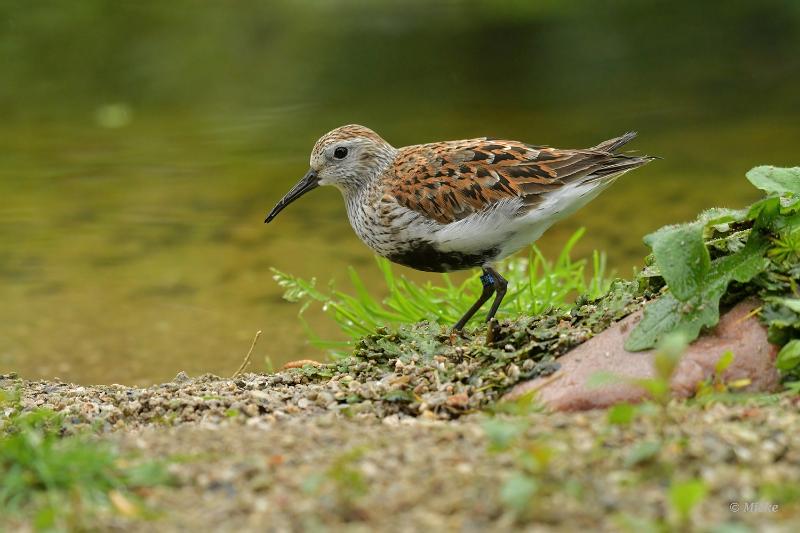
x=745 y=336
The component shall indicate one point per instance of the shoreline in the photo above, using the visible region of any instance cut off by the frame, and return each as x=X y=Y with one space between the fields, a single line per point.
x=286 y=461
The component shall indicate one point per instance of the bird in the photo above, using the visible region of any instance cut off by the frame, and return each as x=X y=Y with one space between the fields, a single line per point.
x=457 y=205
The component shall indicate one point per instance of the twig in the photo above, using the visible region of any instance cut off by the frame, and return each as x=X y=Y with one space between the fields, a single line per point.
x=751 y=314
x=247 y=357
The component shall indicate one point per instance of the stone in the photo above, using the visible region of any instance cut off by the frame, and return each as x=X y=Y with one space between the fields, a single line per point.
x=738 y=331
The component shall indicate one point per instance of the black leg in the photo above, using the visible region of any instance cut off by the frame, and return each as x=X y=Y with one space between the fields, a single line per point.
x=489 y=284
x=500 y=286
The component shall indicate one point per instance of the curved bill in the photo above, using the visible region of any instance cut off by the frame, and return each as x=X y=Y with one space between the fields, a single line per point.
x=309 y=181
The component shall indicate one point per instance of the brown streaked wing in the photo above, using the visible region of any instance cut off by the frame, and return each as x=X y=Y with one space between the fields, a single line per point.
x=449 y=181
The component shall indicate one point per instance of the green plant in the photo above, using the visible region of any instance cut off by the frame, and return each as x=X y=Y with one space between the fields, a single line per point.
x=531 y=456
x=684 y=496
x=57 y=481
x=537 y=284
x=700 y=260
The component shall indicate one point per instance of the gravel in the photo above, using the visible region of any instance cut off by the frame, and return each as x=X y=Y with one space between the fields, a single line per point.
x=286 y=452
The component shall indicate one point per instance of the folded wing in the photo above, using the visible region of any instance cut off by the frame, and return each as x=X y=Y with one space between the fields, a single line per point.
x=450 y=181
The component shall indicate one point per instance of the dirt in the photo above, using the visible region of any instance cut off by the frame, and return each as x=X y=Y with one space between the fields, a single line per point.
x=287 y=452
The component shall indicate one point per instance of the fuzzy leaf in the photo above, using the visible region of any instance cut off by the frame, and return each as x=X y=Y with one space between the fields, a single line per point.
x=775 y=179
x=682 y=257
x=684 y=496
x=667 y=314
x=518 y=492
x=621 y=414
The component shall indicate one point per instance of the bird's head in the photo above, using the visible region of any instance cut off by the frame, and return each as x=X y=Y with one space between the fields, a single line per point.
x=348 y=158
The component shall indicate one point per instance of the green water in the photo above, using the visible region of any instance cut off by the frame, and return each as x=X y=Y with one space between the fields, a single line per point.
x=142 y=144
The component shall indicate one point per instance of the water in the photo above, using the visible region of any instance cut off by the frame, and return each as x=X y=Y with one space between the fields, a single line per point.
x=143 y=143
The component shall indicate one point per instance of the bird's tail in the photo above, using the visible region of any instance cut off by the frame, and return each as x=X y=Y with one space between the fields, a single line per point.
x=615 y=143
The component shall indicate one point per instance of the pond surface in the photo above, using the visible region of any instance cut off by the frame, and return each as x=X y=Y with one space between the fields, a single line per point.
x=143 y=143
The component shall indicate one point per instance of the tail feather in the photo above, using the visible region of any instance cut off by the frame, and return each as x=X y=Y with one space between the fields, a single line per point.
x=615 y=143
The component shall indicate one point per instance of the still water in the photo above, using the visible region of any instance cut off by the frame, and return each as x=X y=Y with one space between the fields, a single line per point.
x=142 y=144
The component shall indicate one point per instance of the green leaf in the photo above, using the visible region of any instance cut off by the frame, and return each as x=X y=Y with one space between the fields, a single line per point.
x=621 y=414
x=685 y=495
x=775 y=179
x=518 y=491
x=670 y=350
x=682 y=257
x=716 y=216
x=502 y=433
x=789 y=356
x=791 y=303
x=667 y=314
x=642 y=452
x=723 y=363
x=660 y=316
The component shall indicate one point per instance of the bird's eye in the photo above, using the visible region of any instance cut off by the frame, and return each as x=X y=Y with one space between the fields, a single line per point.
x=340 y=153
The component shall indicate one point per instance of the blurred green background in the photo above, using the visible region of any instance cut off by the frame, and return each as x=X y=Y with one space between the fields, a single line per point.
x=142 y=143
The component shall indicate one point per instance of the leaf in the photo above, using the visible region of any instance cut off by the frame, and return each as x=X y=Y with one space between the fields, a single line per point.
x=502 y=433
x=723 y=363
x=670 y=350
x=621 y=414
x=518 y=491
x=682 y=257
x=660 y=316
x=789 y=356
x=685 y=495
x=642 y=452
x=717 y=216
x=791 y=303
x=667 y=314
x=775 y=179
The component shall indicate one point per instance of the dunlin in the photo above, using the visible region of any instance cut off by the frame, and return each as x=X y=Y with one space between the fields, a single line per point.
x=455 y=205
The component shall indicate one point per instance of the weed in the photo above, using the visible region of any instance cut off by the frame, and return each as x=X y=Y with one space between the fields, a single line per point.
x=684 y=496
x=57 y=482
x=699 y=261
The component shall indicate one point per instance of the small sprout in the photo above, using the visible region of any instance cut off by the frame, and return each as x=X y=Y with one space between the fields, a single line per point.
x=502 y=433
x=684 y=496
x=518 y=491
x=621 y=414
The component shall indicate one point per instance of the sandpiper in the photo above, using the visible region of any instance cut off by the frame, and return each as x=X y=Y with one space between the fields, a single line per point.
x=456 y=205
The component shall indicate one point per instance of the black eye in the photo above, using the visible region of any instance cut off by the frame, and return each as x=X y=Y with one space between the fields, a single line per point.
x=340 y=153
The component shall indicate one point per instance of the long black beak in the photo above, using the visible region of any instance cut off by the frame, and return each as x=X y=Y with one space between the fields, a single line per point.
x=309 y=181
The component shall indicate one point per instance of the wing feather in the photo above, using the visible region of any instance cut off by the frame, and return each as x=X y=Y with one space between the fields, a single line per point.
x=450 y=181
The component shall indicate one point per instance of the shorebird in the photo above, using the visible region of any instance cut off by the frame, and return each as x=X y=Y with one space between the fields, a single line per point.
x=457 y=205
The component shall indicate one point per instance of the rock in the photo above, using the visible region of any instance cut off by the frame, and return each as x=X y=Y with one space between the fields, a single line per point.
x=458 y=400
x=300 y=364
x=744 y=335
